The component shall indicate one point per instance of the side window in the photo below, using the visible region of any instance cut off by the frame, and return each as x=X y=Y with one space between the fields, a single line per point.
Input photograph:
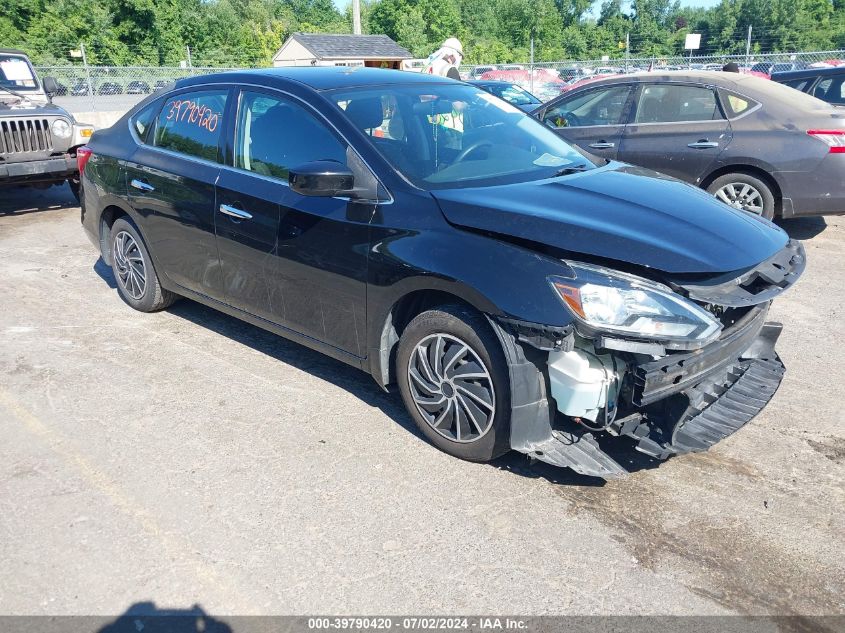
x=144 y=119
x=596 y=107
x=735 y=104
x=275 y=134
x=667 y=103
x=798 y=84
x=831 y=90
x=191 y=123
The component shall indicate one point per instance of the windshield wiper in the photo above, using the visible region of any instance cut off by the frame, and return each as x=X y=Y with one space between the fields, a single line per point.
x=13 y=93
x=571 y=169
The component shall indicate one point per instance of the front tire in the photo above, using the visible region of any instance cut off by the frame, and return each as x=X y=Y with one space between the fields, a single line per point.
x=137 y=281
x=745 y=192
x=453 y=378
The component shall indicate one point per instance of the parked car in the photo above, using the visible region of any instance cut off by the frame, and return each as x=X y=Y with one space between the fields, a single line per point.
x=110 y=88
x=512 y=93
x=161 y=85
x=753 y=143
x=827 y=84
x=138 y=88
x=79 y=88
x=38 y=139
x=769 y=68
x=478 y=71
x=519 y=294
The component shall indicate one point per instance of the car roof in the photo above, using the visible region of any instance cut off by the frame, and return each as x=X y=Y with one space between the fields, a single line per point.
x=318 y=77
x=12 y=51
x=750 y=84
x=809 y=72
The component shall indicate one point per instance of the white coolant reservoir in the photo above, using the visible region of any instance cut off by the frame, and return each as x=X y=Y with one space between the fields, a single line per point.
x=583 y=382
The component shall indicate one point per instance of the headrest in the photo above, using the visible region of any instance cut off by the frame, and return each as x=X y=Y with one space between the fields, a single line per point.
x=365 y=113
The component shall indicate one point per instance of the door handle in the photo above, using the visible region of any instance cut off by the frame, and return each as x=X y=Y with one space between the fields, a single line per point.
x=602 y=145
x=703 y=144
x=141 y=185
x=234 y=212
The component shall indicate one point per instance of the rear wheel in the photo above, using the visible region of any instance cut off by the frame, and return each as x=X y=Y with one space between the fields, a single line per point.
x=453 y=378
x=745 y=192
x=136 y=278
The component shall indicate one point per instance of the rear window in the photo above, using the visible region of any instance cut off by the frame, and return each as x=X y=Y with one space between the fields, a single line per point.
x=191 y=123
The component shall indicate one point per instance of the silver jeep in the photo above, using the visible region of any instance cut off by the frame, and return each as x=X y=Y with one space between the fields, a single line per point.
x=38 y=139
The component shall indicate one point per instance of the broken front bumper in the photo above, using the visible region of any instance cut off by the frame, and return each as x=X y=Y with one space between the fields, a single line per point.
x=682 y=402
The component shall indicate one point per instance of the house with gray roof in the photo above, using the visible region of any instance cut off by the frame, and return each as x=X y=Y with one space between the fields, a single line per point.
x=330 y=49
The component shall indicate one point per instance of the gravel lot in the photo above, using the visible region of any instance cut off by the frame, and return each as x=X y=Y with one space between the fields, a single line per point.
x=187 y=458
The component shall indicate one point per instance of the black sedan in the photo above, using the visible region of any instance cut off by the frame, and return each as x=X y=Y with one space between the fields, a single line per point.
x=512 y=93
x=827 y=84
x=520 y=295
x=753 y=143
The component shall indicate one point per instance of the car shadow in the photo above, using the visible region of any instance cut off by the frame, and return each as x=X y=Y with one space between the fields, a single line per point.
x=361 y=385
x=25 y=200
x=146 y=617
x=803 y=228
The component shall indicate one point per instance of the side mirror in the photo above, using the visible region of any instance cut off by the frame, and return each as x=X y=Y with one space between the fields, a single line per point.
x=322 y=178
x=50 y=85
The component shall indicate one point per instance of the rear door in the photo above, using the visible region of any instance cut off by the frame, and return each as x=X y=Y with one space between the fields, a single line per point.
x=677 y=129
x=171 y=183
x=591 y=119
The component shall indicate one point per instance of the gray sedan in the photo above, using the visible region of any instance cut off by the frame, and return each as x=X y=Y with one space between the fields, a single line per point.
x=753 y=143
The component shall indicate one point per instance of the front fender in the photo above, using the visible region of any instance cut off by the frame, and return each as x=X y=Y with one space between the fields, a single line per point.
x=495 y=277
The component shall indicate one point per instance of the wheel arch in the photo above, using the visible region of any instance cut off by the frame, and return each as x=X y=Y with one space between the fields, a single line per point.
x=397 y=317
x=108 y=216
x=751 y=170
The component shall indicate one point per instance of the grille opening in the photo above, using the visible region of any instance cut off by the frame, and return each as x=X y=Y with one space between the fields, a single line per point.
x=26 y=135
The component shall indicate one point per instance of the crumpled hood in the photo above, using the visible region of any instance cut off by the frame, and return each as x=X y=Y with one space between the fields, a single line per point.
x=622 y=213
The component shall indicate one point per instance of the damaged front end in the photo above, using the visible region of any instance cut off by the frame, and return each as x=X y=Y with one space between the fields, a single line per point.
x=675 y=367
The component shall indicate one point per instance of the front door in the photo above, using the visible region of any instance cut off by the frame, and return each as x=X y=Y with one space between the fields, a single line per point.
x=298 y=261
x=593 y=120
x=171 y=180
x=677 y=129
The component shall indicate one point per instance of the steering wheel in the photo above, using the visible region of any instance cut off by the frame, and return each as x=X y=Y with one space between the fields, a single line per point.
x=469 y=150
x=572 y=120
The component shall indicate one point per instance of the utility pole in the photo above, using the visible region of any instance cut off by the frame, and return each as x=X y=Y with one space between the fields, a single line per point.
x=531 y=64
x=87 y=75
x=188 y=52
x=356 y=17
x=748 y=48
x=627 y=50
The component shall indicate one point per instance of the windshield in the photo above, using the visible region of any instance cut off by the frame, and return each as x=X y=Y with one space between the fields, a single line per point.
x=446 y=136
x=16 y=73
x=512 y=94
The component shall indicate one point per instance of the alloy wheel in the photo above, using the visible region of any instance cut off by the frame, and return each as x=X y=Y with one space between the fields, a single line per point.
x=741 y=195
x=452 y=388
x=131 y=269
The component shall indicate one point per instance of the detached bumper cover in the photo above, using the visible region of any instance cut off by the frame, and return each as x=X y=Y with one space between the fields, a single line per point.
x=723 y=387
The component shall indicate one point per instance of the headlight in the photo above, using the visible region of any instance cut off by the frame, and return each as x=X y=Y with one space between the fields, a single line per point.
x=61 y=128
x=630 y=306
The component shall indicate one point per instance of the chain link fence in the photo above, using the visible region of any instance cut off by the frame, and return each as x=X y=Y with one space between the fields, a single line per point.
x=547 y=79
x=113 y=88
x=116 y=89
